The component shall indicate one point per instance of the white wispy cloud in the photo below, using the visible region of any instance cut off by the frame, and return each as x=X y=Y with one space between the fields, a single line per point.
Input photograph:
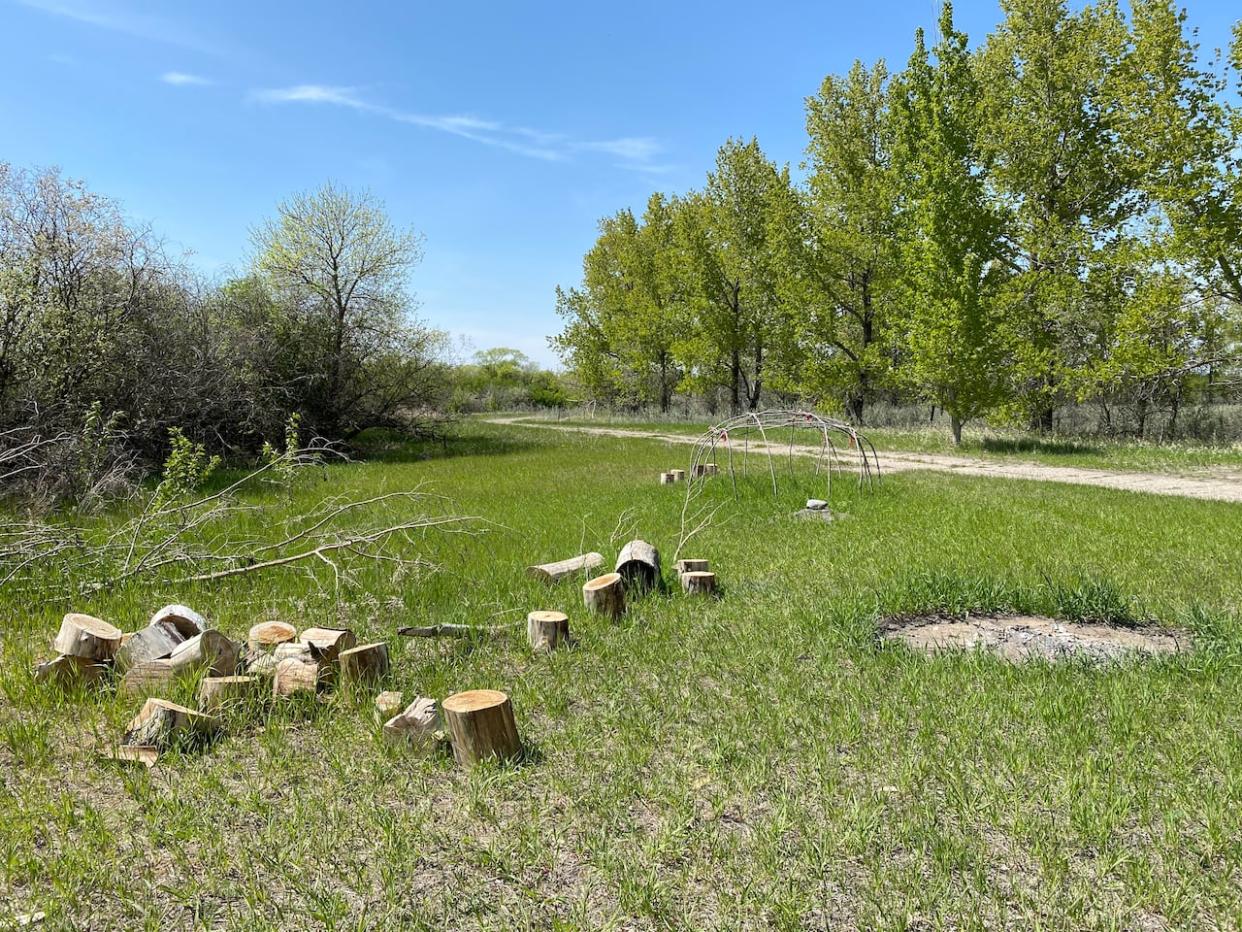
x=108 y=16
x=634 y=152
x=181 y=79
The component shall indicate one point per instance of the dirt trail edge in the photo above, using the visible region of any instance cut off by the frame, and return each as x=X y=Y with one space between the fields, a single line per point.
x=1211 y=489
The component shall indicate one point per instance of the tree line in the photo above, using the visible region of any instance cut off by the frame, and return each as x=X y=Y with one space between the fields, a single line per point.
x=1049 y=218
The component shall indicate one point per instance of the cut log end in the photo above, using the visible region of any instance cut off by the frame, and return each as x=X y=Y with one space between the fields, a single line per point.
x=295 y=676
x=547 y=631
x=666 y=478
x=605 y=595
x=639 y=565
x=365 y=664
x=87 y=636
x=692 y=566
x=679 y=475
x=183 y=619
x=482 y=726
x=267 y=634
x=212 y=650
x=698 y=583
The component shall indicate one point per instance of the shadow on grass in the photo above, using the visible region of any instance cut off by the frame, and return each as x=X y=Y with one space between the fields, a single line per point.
x=1052 y=447
x=383 y=446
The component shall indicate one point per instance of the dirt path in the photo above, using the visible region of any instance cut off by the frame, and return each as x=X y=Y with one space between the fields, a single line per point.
x=1222 y=489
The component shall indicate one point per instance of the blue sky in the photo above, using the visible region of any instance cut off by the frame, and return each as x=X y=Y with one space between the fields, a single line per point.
x=501 y=131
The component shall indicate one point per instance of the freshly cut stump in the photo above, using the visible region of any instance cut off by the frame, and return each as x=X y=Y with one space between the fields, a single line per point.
x=605 y=595
x=639 y=565
x=679 y=475
x=1024 y=637
x=547 y=630
x=66 y=670
x=215 y=692
x=88 y=637
x=160 y=721
x=698 y=583
x=416 y=725
x=666 y=478
x=365 y=664
x=552 y=572
x=151 y=676
x=693 y=566
x=481 y=724
x=293 y=676
x=187 y=621
x=154 y=642
x=212 y=649
x=267 y=634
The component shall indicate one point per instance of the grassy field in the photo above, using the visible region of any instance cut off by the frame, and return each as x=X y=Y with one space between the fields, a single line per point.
x=993 y=444
x=758 y=761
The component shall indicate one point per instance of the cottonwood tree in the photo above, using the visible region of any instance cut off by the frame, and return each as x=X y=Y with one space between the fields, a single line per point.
x=336 y=260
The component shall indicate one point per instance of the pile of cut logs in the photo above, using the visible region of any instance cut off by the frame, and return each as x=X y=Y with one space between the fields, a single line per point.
x=701 y=470
x=276 y=661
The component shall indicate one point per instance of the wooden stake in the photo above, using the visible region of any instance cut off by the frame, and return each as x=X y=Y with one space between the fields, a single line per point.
x=150 y=676
x=692 y=566
x=698 y=583
x=552 y=572
x=185 y=620
x=547 y=630
x=267 y=634
x=215 y=692
x=211 y=649
x=88 y=637
x=482 y=725
x=605 y=595
x=367 y=663
x=416 y=725
x=154 y=642
x=66 y=670
x=160 y=721
x=639 y=565
x=293 y=676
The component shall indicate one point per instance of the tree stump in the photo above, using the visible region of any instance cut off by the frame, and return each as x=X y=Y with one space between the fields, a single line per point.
x=666 y=478
x=416 y=725
x=267 y=634
x=215 y=692
x=481 y=724
x=185 y=620
x=639 y=565
x=66 y=670
x=212 y=649
x=294 y=676
x=364 y=664
x=150 y=676
x=326 y=644
x=692 y=566
x=710 y=469
x=547 y=630
x=88 y=637
x=154 y=642
x=161 y=721
x=552 y=572
x=698 y=583
x=679 y=475
x=388 y=704
x=605 y=595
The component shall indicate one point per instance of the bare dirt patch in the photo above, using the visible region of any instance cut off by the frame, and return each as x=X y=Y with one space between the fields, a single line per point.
x=1023 y=637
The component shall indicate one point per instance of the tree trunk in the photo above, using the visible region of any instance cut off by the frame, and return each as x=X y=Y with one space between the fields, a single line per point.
x=326 y=644
x=186 y=621
x=66 y=670
x=605 y=595
x=482 y=725
x=955 y=425
x=547 y=631
x=692 y=566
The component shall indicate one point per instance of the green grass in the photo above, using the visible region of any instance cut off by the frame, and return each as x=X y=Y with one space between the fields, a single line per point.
x=755 y=761
x=995 y=444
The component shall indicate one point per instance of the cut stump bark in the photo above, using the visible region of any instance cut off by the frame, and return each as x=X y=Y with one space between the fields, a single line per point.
x=161 y=722
x=267 y=634
x=212 y=649
x=215 y=692
x=481 y=724
x=692 y=566
x=185 y=620
x=88 y=637
x=552 y=572
x=365 y=664
x=416 y=725
x=605 y=595
x=698 y=583
x=294 y=676
x=547 y=631
x=154 y=642
x=639 y=565
x=67 y=670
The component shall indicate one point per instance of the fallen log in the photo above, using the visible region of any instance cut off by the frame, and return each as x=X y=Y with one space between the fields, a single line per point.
x=364 y=664
x=67 y=670
x=161 y=722
x=417 y=725
x=605 y=595
x=187 y=621
x=639 y=565
x=547 y=631
x=88 y=637
x=552 y=572
x=692 y=566
x=150 y=676
x=216 y=692
x=267 y=634
x=481 y=724
x=154 y=642
x=294 y=676
x=698 y=583
x=212 y=649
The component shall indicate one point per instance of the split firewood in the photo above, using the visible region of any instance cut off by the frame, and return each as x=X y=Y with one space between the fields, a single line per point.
x=416 y=726
x=187 y=621
x=150 y=676
x=552 y=572
x=481 y=724
x=639 y=565
x=88 y=637
x=326 y=644
x=161 y=722
x=388 y=704
x=66 y=670
x=154 y=642
x=605 y=595
x=267 y=634
x=133 y=754
x=547 y=631
x=692 y=566
x=211 y=649
x=666 y=478
x=294 y=676
x=698 y=583
x=364 y=664
x=215 y=692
